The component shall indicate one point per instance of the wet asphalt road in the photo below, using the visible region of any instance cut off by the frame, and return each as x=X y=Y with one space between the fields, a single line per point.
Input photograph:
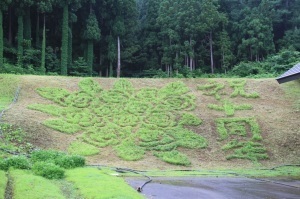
x=216 y=188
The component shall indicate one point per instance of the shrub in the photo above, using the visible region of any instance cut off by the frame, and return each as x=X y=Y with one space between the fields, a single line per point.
x=45 y=155
x=59 y=158
x=18 y=162
x=48 y=170
x=3 y=165
x=69 y=162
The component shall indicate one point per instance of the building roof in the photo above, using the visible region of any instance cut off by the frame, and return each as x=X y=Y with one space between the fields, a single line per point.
x=290 y=75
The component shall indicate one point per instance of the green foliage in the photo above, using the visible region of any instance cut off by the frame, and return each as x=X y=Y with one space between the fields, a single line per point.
x=59 y=158
x=244 y=69
x=45 y=155
x=3 y=165
x=79 y=68
x=17 y=162
x=212 y=89
x=132 y=121
x=92 y=31
x=91 y=181
x=29 y=186
x=239 y=89
x=48 y=170
x=82 y=148
x=173 y=157
x=229 y=107
x=70 y=161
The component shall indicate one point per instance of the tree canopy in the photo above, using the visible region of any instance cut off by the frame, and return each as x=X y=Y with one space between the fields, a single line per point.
x=172 y=36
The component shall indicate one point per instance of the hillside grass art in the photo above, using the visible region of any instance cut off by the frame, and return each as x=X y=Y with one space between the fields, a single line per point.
x=241 y=137
x=132 y=121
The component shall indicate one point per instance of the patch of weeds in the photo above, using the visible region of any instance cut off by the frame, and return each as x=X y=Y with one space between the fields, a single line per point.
x=119 y=117
x=29 y=186
x=239 y=127
x=13 y=139
x=212 y=89
x=82 y=148
x=229 y=107
x=97 y=184
x=239 y=89
x=3 y=183
x=173 y=157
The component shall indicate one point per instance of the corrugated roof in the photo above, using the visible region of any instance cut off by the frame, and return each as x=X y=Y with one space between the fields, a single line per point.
x=292 y=74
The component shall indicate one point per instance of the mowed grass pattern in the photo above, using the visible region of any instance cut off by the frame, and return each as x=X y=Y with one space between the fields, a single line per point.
x=132 y=121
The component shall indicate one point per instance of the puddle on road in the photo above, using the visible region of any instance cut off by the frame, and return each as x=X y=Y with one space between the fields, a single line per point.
x=220 y=188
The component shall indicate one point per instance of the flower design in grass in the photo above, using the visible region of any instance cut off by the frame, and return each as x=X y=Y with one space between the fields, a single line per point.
x=132 y=121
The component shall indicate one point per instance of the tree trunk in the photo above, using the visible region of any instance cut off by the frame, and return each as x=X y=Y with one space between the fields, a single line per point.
x=1 y=39
x=43 y=62
x=211 y=53
x=119 y=59
x=90 y=55
x=64 y=43
x=20 y=39
x=111 y=73
x=37 y=32
x=27 y=25
x=10 y=27
x=70 y=46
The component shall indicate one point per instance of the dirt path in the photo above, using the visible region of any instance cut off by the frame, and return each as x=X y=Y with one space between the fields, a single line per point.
x=221 y=188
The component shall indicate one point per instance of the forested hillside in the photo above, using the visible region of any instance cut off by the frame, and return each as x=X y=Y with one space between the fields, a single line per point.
x=139 y=37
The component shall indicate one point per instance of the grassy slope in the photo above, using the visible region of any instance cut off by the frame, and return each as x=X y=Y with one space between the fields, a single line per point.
x=275 y=112
x=8 y=86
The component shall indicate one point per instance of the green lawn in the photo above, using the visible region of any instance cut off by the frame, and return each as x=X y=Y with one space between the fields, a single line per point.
x=98 y=184
x=3 y=182
x=28 y=186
